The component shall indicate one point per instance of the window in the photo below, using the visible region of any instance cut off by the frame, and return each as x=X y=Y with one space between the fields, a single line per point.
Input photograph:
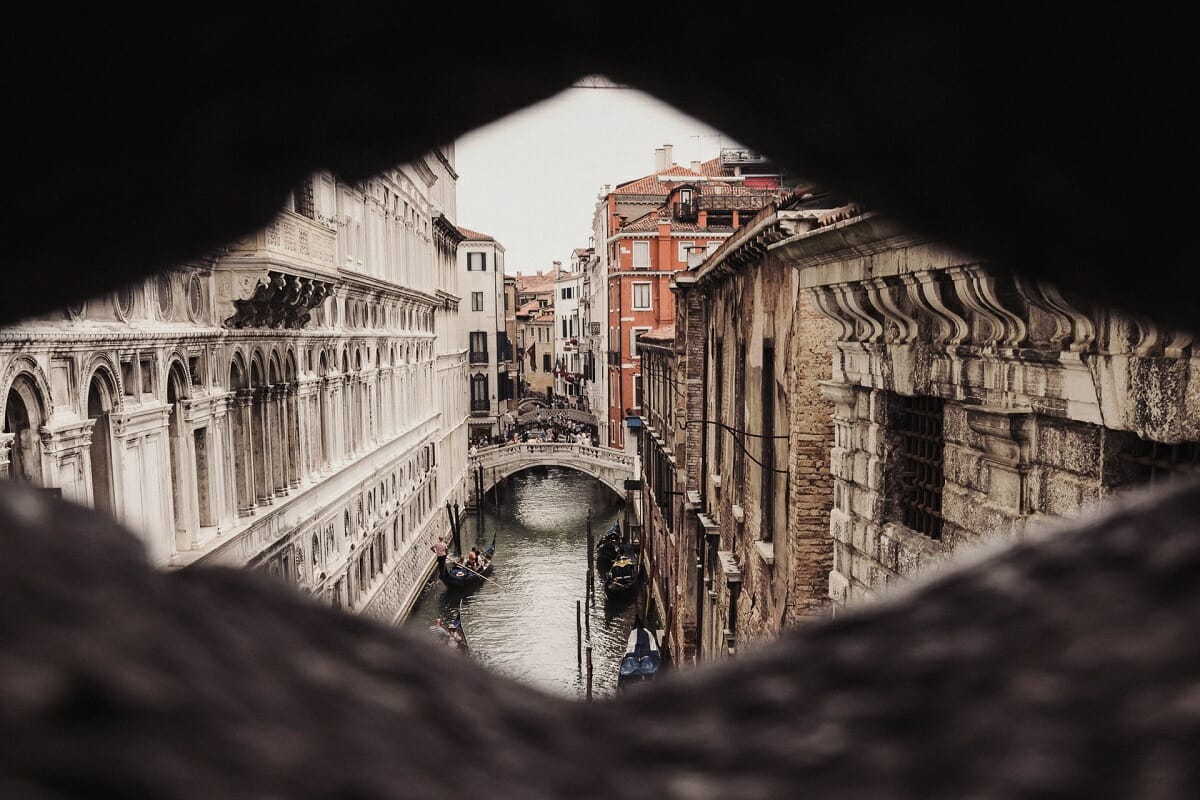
x=564 y=327
x=917 y=476
x=719 y=403
x=641 y=255
x=567 y=292
x=767 y=499
x=479 y=352
x=477 y=301
x=476 y=262
x=479 y=393
x=712 y=247
x=546 y=362
x=633 y=334
x=641 y=297
x=684 y=248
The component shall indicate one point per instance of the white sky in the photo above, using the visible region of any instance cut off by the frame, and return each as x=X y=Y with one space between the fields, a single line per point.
x=531 y=179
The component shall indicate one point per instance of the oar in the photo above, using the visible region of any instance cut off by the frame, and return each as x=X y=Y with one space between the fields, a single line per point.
x=485 y=577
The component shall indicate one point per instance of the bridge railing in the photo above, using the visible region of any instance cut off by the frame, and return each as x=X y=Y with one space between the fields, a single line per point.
x=494 y=454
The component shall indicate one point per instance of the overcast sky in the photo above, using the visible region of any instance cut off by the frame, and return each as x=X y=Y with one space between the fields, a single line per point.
x=531 y=179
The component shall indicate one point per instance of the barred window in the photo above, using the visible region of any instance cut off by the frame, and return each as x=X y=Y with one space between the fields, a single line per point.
x=1153 y=462
x=918 y=476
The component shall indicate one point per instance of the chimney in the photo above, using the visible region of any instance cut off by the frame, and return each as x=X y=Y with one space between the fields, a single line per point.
x=660 y=157
x=539 y=273
x=695 y=166
x=668 y=157
x=702 y=218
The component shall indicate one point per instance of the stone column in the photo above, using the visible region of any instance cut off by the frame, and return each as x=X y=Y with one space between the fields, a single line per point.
x=6 y=440
x=293 y=434
x=264 y=489
x=279 y=445
x=245 y=495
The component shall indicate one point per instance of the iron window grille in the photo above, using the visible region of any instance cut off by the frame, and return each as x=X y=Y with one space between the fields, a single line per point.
x=919 y=472
x=1157 y=462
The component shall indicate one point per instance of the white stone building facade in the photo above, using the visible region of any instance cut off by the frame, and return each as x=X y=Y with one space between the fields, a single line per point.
x=294 y=402
x=568 y=290
x=489 y=353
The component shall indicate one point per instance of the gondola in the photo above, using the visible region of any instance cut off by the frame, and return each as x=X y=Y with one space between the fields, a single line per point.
x=641 y=660
x=458 y=631
x=458 y=576
x=623 y=574
x=609 y=546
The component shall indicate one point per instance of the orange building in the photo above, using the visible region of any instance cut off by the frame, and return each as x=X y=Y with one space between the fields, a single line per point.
x=682 y=214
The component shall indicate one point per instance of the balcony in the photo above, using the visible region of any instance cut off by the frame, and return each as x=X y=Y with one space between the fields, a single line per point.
x=275 y=277
x=734 y=202
x=479 y=357
x=480 y=406
x=686 y=211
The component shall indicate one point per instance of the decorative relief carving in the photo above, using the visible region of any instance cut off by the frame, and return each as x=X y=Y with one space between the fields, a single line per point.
x=282 y=301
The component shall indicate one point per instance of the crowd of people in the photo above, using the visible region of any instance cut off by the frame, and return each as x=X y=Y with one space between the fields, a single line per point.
x=547 y=428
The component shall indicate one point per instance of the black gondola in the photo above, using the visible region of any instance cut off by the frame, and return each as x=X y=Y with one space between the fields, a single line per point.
x=641 y=659
x=458 y=632
x=623 y=574
x=458 y=576
x=609 y=546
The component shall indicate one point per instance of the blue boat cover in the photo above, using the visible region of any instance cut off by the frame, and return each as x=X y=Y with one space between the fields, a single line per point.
x=643 y=661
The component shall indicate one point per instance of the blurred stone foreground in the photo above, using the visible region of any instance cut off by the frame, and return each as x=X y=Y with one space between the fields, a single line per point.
x=1063 y=667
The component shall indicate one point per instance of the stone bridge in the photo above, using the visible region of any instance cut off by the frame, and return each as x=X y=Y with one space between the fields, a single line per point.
x=610 y=467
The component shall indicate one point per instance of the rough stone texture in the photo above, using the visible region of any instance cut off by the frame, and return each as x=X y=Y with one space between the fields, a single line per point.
x=991 y=682
x=1066 y=668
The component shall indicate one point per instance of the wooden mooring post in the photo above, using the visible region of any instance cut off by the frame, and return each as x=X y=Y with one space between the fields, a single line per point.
x=578 y=635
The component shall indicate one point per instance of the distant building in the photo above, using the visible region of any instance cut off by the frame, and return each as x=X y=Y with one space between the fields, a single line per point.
x=489 y=351
x=649 y=228
x=536 y=333
x=568 y=357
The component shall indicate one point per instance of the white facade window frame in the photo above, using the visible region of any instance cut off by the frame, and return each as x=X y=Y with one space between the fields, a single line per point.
x=643 y=247
x=649 y=296
x=683 y=250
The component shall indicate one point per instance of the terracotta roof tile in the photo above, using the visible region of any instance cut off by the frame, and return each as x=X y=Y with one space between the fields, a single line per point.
x=650 y=184
x=663 y=333
x=648 y=223
x=475 y=236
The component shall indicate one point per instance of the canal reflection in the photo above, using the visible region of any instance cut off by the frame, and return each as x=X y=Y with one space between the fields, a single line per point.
x=527 y=629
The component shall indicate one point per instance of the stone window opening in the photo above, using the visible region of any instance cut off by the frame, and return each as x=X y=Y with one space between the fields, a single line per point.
x=23 y=419
x=917 y=477
x=1154 y=462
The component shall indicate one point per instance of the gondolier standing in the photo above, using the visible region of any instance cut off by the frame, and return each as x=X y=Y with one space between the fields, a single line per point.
x=440 y=549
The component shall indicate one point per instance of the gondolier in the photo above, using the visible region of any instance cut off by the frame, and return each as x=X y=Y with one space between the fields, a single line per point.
x=440 y=550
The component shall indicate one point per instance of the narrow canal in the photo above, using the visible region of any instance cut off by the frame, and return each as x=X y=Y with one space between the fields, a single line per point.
x=526 y=630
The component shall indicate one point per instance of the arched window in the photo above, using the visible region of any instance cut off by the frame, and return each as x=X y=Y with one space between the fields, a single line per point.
x=100 y=401
x=24 y=415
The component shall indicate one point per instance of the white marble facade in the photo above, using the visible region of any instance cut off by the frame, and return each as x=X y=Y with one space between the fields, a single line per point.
x=295 y=402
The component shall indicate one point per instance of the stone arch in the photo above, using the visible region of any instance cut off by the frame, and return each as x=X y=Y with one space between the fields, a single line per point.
x=102 y=362
x=26 y=406
x=102 y=397
x=175 y=359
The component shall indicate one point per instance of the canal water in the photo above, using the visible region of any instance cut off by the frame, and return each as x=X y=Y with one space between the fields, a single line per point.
x=526 y=630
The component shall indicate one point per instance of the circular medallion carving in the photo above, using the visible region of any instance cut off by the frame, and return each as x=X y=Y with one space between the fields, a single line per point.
x=195 y=298
x=163 y=289
x=123 y=302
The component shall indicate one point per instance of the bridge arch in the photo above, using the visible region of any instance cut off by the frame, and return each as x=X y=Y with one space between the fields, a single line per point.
x=498 y=463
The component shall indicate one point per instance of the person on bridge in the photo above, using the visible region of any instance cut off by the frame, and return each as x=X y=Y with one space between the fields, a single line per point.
x=440 y=549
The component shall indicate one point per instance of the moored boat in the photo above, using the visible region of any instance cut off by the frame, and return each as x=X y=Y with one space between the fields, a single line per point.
x=623 y=574
x=642 y=658
x=609 y=546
